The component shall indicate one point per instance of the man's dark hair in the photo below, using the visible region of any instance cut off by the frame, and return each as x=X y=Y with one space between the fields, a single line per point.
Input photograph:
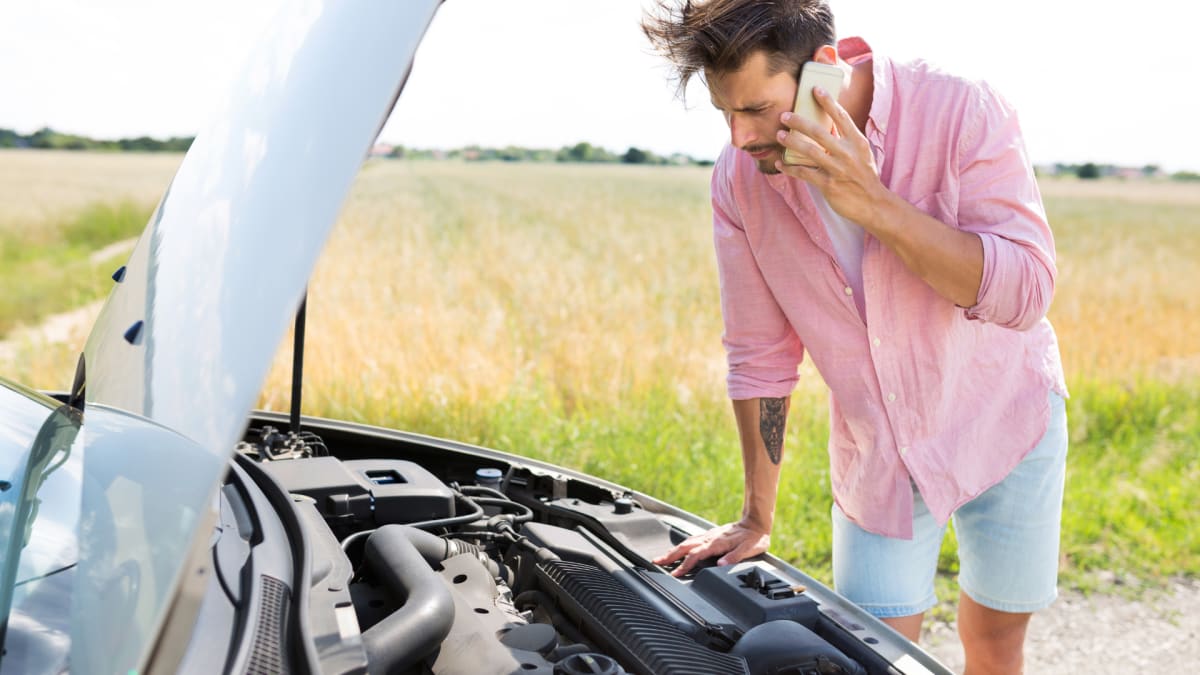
x=716 y=36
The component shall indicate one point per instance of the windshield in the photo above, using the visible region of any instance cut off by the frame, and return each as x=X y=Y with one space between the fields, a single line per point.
x=39 y=516
x=95 y=519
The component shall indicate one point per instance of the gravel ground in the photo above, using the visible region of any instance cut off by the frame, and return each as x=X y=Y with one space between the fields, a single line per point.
x=1101 y=634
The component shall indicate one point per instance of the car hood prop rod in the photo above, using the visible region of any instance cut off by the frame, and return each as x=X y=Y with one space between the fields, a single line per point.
x=298 y=362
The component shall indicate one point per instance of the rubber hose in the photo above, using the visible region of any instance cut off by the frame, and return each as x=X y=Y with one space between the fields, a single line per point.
x=417 y=628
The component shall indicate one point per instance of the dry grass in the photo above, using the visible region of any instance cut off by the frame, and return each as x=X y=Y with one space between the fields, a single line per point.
x=1153 y=192
x=45 y=187
x=475 y=281
x=471 y=281
x=1127 y=305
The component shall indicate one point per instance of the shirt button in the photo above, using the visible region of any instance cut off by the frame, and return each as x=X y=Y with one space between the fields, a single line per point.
x=849 y=291
x=875 y=342
x=891 y=397
x=904 y=450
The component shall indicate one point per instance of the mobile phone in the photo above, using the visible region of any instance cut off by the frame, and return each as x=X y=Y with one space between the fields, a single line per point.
x=814 y=74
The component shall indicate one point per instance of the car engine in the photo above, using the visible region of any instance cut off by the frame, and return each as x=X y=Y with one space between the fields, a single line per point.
x=437 y=561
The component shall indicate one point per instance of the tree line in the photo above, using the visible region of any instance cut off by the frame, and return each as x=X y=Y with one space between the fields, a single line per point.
x=1093 y=171
x=580 y=152
x=49 y=139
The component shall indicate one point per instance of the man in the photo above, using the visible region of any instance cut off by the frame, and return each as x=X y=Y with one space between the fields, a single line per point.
x=907 y=252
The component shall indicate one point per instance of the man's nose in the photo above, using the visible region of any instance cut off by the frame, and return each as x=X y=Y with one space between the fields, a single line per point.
x=741 y=132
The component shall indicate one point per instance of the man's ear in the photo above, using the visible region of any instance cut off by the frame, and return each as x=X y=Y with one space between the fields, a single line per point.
x=826 y=54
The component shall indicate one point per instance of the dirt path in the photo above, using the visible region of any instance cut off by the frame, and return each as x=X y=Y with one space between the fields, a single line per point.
x=55 y=329
x=1102 y=634
x=65 y=326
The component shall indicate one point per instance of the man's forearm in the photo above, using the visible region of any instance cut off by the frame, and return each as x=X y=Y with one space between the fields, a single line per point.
x=761 y=424
x=948 y=259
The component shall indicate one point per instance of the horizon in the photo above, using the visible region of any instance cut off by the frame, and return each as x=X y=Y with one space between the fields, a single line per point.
x=614 y=152
x=569 y=72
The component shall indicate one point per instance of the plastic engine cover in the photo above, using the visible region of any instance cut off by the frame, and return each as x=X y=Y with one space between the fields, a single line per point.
x=387 y=491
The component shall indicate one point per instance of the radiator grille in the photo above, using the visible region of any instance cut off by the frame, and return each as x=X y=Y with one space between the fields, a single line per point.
x=640 y=636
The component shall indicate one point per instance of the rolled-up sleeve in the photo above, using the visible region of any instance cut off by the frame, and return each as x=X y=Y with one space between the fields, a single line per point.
x=762 y=348
x=999 y=201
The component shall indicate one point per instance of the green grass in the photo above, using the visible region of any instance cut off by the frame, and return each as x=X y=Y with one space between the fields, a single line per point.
x=50 y=270
x=684 y=453
x=1133 y=482
x=1133 y=473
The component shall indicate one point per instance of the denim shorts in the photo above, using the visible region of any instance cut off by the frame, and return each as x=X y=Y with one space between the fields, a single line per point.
x=1007 y=542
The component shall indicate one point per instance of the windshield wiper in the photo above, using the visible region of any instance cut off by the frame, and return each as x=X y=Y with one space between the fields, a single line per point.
x=47 y=575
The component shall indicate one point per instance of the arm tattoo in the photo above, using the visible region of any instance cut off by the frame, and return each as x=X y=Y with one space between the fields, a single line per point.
x=772 y=415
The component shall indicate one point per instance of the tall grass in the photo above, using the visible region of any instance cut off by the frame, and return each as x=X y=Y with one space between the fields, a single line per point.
x=40 y=188
x=571 y=313
x=1128 y=300
x=58 y=213
x=56 y=269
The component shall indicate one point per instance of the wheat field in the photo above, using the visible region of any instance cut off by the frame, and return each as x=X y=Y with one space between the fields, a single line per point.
x=570 y=312
x=599 y=280
x=476 y=277
x=40 y=188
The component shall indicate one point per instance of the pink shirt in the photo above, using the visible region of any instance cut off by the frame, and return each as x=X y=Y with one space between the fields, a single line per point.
x=952 y=398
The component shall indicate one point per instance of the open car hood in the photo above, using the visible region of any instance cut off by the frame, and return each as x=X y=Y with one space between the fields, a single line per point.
x=189 y=331
x=187 y=335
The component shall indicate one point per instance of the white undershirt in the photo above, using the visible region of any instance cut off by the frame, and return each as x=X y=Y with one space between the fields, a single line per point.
x=847 y=238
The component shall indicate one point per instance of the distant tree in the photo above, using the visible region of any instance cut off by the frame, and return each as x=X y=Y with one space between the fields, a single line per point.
x=45 y=138
x=580 y=152
x=139 y=144
x=1150 y=170
x=1088 y=171
x=602 y=155
x=1186 y=176
x=635 y=156
x=178 y=143
x=8 y=138
x=511 y=153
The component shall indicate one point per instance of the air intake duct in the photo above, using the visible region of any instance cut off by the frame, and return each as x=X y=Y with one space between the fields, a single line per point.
x=626 y=626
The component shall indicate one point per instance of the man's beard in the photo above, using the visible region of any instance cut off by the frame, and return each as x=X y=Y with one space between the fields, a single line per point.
x=767 y=166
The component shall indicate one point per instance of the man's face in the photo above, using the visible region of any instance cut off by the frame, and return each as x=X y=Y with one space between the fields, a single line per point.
x=752 y=98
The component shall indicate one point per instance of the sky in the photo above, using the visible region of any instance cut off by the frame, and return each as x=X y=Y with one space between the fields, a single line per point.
x=1103 y=81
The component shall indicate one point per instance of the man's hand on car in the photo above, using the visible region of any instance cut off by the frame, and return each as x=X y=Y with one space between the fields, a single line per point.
x=733 y=542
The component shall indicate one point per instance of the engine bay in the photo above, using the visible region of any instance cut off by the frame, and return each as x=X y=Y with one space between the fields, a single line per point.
x=448 y=560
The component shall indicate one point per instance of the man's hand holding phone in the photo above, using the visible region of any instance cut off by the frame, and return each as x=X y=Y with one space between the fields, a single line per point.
x=812 y=75
x=840 y=164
